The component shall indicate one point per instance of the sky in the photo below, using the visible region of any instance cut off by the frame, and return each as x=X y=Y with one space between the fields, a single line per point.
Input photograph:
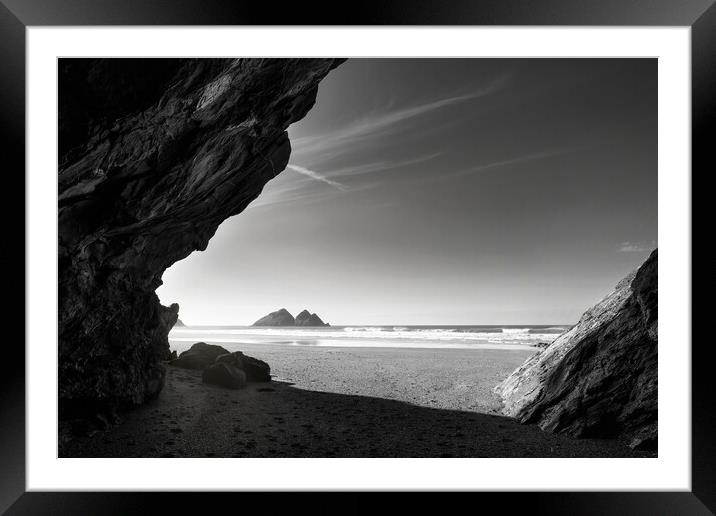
x=444 y=192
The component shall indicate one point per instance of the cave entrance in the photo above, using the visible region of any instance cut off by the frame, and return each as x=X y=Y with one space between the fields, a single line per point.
x=392 y=225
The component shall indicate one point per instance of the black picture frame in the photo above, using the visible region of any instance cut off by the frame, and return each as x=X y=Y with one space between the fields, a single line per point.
x=17 y=15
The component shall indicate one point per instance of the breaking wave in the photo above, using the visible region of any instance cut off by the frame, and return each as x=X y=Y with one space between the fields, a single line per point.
x=370 y=335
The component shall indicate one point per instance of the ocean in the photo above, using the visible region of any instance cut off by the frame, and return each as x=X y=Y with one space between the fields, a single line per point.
x=439 y=337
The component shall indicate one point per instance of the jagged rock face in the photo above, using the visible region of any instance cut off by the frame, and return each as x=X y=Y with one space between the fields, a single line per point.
x=306 y=318
x=153 y=155
x=599 y=379
x=280 y=317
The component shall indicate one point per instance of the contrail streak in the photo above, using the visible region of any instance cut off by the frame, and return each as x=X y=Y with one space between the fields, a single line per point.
x=317 y=176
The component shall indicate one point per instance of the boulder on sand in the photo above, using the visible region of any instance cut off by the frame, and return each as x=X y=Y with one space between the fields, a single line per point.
x=200 y=356
x=223 y=368
x=256 y=370
x=224 y=374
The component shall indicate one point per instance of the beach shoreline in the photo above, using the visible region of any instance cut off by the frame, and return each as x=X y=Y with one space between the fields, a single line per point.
x=442 y=378
x=341 y=402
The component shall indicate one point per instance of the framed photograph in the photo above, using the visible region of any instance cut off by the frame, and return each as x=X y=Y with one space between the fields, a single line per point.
x=422 y=249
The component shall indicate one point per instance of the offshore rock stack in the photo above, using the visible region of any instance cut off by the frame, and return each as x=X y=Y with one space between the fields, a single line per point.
x=283 y=317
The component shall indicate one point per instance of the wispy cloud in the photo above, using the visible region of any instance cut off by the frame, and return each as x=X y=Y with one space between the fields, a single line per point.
x=317 y=176
x=512 y=161
x=318 y=151
x=300 y=193
x=290 y=189
x=360 y=169
x=637 y=247
x=527 y=158
x=273 y=198
x=381 y=166
x=378 y=123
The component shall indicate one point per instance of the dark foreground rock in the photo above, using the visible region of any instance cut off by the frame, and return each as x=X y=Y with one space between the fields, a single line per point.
x=200 y=356
x=222 y=368
x=280 y=317
x=306 y=318
x=224 y=374
x=256 y=370
x=599 y=379
x=153 y=155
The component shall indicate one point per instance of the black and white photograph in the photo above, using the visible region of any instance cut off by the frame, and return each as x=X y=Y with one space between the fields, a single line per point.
x=300 y=254
x=357 y=257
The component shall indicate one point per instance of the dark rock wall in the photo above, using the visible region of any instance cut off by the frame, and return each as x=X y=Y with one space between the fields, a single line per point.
x=599 y=379
x=154 y=155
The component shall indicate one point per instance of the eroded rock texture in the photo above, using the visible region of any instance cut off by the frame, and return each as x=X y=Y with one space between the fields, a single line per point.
x=599 y=379
x=153 y=155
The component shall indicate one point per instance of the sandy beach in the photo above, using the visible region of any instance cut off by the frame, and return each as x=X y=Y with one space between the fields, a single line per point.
x=341 y=402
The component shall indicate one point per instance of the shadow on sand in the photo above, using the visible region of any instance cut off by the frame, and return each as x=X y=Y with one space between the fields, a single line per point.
x=190 y=419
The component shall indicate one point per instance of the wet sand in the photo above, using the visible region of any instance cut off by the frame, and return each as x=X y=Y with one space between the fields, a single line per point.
x=341 y=402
